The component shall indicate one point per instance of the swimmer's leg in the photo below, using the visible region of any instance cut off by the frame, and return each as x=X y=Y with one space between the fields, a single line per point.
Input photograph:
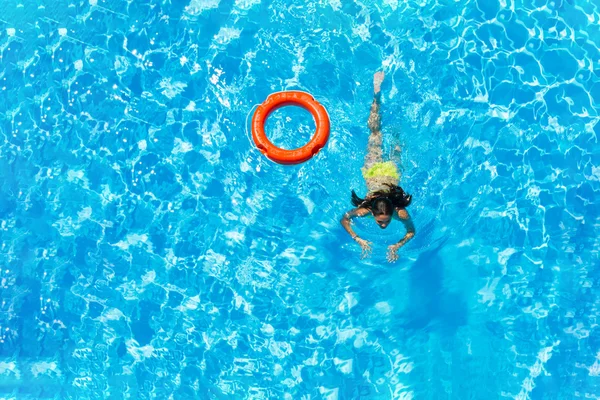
x=375 y=143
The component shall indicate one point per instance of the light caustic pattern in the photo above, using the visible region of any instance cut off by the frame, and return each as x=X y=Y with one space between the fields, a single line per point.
x=148 y=250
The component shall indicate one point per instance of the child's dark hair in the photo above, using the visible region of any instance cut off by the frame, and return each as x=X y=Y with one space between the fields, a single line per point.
x=384 y=202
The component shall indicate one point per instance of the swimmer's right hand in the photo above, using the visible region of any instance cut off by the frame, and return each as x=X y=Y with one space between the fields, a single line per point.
x=365 y=246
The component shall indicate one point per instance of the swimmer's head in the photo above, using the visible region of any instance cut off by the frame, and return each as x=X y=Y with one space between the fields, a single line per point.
x=382 y=203
x=382 y=209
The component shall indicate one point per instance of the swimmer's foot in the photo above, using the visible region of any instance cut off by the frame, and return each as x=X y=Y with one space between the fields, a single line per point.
x=377 y=79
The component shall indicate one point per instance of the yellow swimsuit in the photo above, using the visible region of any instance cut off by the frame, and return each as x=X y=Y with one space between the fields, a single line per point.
x=380 y=174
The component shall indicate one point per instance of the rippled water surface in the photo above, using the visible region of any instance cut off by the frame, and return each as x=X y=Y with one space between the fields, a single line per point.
x=148 y=250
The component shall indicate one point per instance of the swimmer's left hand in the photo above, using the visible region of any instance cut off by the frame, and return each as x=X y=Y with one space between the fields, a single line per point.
x=392 y=255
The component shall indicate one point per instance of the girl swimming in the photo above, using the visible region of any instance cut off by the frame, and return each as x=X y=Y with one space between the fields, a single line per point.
x=385 y=199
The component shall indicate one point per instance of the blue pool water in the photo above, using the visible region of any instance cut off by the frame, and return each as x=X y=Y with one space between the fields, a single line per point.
x=148 y=250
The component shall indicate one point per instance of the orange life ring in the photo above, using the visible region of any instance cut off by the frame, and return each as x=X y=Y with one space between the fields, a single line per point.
x=282 y=99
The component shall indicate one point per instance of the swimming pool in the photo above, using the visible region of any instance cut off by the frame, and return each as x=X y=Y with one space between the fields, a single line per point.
x=150 y=251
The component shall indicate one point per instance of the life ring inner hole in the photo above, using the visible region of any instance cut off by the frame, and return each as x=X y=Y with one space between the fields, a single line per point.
x=290 y=127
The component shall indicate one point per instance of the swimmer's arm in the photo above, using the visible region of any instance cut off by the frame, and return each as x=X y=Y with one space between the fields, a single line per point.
x=347 y=220
x=408 y=224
